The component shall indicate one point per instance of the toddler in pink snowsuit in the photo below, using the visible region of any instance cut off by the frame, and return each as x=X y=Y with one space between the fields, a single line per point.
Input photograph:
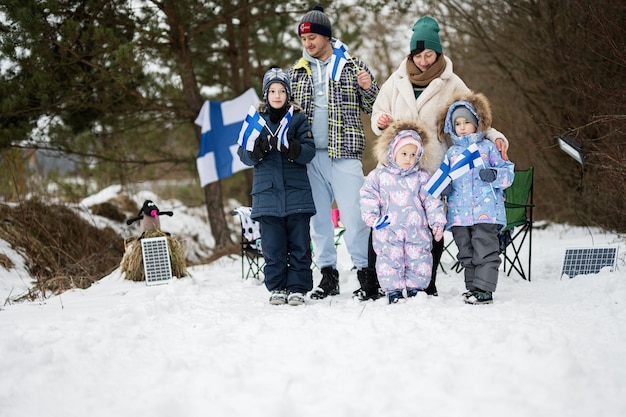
x=404 y=216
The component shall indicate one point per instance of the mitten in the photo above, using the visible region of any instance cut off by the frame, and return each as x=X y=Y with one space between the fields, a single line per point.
x=382 y=221
x=446 y=191
x=293 y=151
x=437 y=233
x=488 y=174
x=261 y=148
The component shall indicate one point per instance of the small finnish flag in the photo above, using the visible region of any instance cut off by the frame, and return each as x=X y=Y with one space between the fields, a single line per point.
x=252 y=126
x=340 y=58
x=284 y=127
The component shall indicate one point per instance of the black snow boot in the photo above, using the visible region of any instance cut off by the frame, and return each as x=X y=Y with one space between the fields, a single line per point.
x=329 y=285
x=370 y=288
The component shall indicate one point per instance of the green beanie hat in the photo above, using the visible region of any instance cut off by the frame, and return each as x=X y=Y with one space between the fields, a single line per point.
x=426 y=35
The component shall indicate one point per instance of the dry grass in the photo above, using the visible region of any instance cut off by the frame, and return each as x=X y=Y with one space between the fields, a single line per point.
x=62 y=250
x=132 y=263
x=5 y=262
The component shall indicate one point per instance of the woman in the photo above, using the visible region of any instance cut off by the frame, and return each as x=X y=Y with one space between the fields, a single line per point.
x=417 y=90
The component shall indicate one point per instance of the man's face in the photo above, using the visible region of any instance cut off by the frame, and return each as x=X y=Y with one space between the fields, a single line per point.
x=316 y=45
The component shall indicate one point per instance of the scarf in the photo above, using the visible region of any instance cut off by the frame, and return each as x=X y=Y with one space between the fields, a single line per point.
x=276 y=115
x=422 y=79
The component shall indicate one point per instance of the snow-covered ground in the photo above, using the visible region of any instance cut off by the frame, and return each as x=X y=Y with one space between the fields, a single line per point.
x=211 y=345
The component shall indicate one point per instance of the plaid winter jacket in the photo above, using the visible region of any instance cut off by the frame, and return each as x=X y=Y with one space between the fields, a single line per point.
x=346 y=137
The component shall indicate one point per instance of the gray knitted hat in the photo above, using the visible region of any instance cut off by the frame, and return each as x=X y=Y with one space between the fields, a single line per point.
x=276 y=75
x=464 y=112
x=315 y=21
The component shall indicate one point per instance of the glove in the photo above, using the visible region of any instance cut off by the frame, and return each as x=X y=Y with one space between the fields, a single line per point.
x=293 y=151
x=261 y=148
x=437 y=232
x=447 y=190
x=382 y=221
x=488 y=174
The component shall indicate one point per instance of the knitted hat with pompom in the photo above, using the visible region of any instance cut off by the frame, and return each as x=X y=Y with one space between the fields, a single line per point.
x=315 y=21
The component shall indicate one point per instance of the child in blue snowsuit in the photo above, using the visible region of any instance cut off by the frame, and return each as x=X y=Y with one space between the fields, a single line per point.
x=282 y=201
x=475 y=199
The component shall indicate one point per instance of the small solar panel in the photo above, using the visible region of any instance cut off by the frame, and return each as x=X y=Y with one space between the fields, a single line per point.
x=156 y=260
x=581 y=261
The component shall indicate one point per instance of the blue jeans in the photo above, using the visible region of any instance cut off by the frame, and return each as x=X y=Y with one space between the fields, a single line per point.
x=340 y=180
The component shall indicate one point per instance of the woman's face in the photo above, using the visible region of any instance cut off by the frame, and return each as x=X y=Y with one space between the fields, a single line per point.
x=425 y=59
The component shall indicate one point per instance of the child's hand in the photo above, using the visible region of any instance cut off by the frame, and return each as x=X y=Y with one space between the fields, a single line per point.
x=261 y=148
x=488 y=174
x=294 y=149
x=438 y=233
x=382 y=221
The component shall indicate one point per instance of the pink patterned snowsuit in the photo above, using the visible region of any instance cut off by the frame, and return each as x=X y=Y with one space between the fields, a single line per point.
x=404 y=246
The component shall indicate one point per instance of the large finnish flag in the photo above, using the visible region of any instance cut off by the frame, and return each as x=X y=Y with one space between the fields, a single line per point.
x=220 y=123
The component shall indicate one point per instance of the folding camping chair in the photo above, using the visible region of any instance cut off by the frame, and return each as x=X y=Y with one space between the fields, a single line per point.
x=519 y=222
x=252 y=260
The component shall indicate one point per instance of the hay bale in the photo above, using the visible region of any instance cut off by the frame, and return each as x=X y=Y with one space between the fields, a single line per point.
x=132 y=262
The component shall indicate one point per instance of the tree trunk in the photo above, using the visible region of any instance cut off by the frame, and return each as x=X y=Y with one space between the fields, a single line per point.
x=191 y=93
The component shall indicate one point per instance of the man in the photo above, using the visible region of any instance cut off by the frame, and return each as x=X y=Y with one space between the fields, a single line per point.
x=333 y=88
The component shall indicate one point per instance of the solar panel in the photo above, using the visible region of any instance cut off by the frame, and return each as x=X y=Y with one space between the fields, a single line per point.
x=581 y=261
x=156 y=260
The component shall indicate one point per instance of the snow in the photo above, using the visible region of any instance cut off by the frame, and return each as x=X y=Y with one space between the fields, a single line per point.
x=211 y=345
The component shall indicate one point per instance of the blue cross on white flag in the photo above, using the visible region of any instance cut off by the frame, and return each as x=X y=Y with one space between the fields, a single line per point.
x=250 y=129
x=467 y=160
x=340 y=57
x=220 y=122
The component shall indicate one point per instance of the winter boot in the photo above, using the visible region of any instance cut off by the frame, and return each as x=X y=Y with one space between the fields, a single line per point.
x=479 y=297
x=295 y=299
x=412 y=292
x=370 y=288
x=329 y=285
x=395 y=297
x=432 y=288
x=278 y=297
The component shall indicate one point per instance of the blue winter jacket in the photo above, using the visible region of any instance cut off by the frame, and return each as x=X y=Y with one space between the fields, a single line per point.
x=473 y=200
x=281 y=187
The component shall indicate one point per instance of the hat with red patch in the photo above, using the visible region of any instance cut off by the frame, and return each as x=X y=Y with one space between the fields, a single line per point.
x=315 y=21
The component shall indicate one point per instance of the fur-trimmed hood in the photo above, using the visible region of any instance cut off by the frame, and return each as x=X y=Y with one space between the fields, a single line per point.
x=382 y=151
x=477 y=103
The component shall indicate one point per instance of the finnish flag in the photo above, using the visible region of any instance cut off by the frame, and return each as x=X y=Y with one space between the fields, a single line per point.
x=284 y=127
x=466 y=161
x=340 y=58
x=220 y=123
x=250 y=129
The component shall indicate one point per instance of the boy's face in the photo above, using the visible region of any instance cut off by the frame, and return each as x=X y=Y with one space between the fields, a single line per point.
x=406 y=156
x=276 y=95
x=463 y=127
